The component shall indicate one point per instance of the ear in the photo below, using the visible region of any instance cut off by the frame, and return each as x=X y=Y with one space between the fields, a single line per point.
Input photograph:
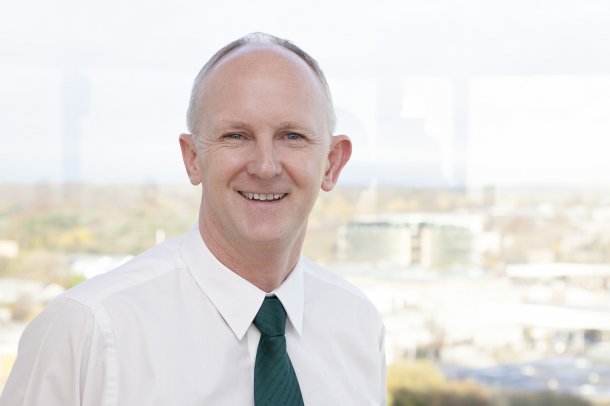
x=338 y=155
x=189 y=157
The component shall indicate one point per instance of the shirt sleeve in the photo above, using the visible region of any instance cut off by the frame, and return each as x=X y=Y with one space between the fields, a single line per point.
x=384 y=389
x=63 y=360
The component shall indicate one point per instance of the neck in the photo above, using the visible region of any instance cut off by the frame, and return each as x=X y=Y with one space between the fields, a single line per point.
x=264 y=264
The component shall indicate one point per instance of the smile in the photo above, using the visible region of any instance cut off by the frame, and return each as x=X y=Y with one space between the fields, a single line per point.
x=263 y=196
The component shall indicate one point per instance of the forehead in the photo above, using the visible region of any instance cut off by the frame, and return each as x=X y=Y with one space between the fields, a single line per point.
x=261 y=77
x=270 y=58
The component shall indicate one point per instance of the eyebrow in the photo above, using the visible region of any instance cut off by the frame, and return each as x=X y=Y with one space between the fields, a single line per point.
x=293 y=125
x=232 y=124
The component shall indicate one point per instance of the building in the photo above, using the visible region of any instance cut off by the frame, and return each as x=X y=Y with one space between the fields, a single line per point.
x=427 y=240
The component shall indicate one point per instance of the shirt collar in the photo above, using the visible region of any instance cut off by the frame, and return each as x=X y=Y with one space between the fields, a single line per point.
x=236 y=299
x=291 y=294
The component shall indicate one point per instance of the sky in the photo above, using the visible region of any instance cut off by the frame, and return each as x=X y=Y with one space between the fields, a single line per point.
x=433 y=93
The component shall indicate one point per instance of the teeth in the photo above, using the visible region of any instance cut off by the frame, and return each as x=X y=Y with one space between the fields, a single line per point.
x=263 y=196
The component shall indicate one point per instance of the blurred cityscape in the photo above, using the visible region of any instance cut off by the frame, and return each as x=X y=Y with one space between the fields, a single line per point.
x=506 y=287
x=502 y=291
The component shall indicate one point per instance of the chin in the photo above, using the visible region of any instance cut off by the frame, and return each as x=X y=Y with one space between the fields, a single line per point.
x=266 y=238
x=266 y=234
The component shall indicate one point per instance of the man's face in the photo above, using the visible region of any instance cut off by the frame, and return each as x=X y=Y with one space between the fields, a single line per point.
x=263 y=148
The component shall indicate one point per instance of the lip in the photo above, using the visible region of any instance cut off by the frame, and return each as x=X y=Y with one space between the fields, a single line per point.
x=262 y=197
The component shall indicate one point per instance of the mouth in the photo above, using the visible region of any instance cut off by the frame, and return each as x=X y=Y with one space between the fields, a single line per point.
x=263 y=196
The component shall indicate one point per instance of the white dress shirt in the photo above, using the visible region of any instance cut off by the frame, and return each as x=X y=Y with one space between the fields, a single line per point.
x=174 y=327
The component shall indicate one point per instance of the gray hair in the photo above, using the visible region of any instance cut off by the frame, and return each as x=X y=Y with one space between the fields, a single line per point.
x=192 y=118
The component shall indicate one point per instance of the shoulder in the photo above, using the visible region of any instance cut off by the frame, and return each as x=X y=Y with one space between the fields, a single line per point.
x=322 y=278
x=137 y=273
x=331 y=291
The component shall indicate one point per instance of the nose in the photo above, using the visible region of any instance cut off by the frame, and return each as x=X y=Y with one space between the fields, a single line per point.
x=264 y=162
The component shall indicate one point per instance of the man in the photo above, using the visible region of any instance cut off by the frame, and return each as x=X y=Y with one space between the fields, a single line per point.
x=231 y=313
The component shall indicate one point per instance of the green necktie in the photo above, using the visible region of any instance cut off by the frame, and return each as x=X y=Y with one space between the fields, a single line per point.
x=275 y=382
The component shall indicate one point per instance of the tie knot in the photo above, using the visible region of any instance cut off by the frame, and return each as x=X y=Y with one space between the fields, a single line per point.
x=271 y=317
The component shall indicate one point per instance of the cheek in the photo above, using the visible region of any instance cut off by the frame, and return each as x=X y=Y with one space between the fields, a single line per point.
x=309 y=173
x=312 y=161
x=219 y=165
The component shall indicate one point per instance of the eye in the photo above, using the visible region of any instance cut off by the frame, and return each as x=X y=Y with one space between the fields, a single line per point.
x=233 y=137
x=293 y=136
